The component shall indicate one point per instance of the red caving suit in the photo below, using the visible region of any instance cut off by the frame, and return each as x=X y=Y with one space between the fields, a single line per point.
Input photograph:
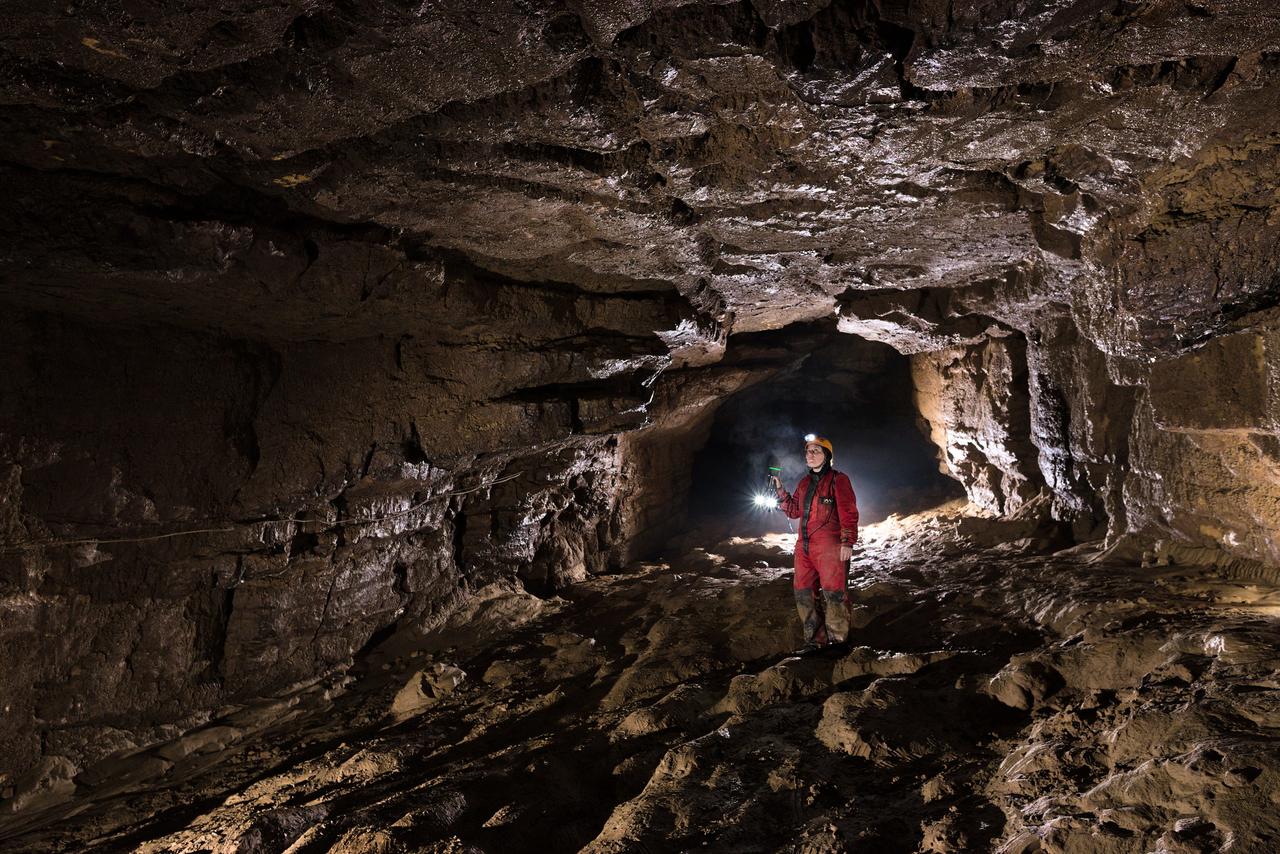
x=832 y=522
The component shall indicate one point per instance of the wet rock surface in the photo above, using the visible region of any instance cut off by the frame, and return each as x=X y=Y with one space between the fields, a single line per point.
x=990 y=699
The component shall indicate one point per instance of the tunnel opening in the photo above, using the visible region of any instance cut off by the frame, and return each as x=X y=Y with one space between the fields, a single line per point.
x=857 y=393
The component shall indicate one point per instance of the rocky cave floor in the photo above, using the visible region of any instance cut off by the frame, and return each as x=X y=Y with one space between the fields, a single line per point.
x=996 y=696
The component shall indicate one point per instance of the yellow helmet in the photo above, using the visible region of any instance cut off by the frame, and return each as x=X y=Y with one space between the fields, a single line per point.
x=820 y=440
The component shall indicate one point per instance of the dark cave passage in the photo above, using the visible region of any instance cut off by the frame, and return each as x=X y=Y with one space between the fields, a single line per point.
x=858 y=394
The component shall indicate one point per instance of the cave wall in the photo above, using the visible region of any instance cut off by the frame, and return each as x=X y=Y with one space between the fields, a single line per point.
x=1206 y=461
x=1081 y=424
x=114 y=433
x=1135 y=370
x=488 y=452
x=1176 y=451
x=976 y=402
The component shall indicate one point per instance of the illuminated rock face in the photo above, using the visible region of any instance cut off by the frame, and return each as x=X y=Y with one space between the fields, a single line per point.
x=975 y=401
x=363 y=259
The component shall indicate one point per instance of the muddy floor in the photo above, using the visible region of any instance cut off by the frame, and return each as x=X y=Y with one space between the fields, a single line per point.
x=997 y=696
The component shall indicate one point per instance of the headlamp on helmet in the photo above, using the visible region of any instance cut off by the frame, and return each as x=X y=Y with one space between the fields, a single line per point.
x=822 y=441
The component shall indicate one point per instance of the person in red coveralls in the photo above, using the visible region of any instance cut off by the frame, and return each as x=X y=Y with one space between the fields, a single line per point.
x=824 y=503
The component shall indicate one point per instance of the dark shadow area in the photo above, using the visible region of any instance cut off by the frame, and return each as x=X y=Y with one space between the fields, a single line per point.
x=855 y=392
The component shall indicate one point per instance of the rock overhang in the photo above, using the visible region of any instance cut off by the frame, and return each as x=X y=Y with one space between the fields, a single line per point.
x=742 y=150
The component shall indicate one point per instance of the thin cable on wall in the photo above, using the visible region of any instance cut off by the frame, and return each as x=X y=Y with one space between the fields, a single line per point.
x=340 y=523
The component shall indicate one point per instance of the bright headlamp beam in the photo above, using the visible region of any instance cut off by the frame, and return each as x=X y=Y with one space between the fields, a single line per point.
x=809 y=437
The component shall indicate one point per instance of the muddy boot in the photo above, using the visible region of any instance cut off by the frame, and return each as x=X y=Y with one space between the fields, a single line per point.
x=820 y=605
x=810 y=620
x=837 y=616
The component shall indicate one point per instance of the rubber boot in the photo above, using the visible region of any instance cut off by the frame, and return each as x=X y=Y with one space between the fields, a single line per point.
x=811 y=619
x=837 y=616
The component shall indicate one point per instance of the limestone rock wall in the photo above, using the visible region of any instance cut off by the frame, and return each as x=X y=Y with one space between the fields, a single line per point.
x=1169 y=448
x=976 y=402
x=1206 y=461
x=1082 y=421
x=274 y=452
x=1175 y=452
x=191 y=520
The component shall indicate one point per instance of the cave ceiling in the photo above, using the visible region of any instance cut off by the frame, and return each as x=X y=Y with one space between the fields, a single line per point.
x=327 y=170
